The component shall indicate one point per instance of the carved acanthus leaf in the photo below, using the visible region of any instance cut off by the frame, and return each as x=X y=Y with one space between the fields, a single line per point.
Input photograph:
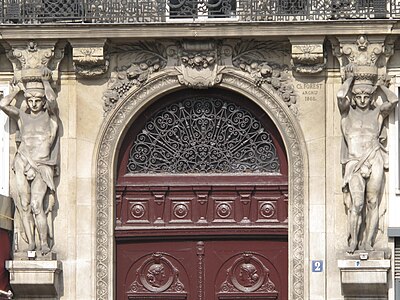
x=251 y=50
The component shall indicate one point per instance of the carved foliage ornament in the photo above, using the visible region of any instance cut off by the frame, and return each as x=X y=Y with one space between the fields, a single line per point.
x=201 y=64
x=257 y=59
x=203 y=135
x=144 y=59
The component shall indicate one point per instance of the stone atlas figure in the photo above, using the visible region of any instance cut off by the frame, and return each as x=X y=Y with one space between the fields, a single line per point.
x=35 y=161
x=363 y=156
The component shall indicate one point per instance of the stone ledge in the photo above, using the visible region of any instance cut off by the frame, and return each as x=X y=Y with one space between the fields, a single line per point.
x=364 y=278
x=32 y=278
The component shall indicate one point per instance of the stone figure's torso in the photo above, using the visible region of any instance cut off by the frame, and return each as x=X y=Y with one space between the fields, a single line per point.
x=36 y=135
x=361 y=131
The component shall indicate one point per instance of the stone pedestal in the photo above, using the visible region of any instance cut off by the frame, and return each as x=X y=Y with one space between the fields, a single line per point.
x=364 y=275
x=35 y=278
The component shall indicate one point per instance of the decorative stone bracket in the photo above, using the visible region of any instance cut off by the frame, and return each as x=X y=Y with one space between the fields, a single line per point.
x=30 y=58
x=34 y=278
x=89 y=57
x=308 y=55
x=366 y=277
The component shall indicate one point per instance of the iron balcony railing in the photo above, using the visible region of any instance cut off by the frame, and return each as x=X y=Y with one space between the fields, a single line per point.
x=139 y=11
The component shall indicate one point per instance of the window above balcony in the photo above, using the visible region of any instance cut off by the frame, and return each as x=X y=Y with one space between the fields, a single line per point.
x=154 y=11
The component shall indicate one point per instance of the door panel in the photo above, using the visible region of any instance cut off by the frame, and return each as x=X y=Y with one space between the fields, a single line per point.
x=203 y=270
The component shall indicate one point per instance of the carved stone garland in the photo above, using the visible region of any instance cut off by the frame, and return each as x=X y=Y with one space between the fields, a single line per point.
x=119 y=119
x=200 y=65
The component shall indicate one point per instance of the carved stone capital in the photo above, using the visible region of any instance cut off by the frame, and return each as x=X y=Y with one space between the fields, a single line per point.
x=198 y=64
x=89 y=57
x=29 y=58
x=364 y=52
x=308 y=56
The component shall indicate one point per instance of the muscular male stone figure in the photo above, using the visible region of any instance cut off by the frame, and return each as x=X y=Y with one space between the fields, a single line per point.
x=363 y=155
x=36 y=157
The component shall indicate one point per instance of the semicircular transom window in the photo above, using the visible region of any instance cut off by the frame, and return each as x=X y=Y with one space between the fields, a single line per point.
x=203 y=135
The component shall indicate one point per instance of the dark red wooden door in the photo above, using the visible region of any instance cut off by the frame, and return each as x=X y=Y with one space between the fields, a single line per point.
x=201 y=202
x=202 y=269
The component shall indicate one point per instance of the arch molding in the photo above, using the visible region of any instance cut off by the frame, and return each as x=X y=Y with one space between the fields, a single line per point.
x=119 y=120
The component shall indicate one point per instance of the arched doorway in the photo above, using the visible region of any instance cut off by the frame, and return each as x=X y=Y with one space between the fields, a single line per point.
x=202 y=201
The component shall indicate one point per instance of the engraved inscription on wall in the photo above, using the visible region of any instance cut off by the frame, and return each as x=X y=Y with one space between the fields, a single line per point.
x=310 y=92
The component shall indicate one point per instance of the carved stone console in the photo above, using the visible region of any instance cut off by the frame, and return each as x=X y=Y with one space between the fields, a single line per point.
x=35 y=278
x=89 y=57
x=308 y=55
x=364 y=275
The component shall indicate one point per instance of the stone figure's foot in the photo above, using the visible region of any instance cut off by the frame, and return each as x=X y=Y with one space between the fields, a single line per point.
x=352 y=248
x=31 y=246
x=45 y=249
x=368 y=247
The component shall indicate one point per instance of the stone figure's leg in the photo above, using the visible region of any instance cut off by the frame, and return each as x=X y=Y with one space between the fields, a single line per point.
x=24 y=193
x=373 y=192
x=357 y=188
x=38 y=191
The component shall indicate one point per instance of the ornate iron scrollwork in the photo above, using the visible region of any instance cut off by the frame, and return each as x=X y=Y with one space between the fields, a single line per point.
x=203 y=135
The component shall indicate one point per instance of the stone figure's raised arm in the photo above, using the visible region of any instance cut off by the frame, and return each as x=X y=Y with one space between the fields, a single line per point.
x=390 y=103
x=343 y=99
x=49 y=92
x=5 y=103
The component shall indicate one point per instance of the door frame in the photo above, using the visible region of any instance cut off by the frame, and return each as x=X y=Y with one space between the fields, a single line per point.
x=112 y=133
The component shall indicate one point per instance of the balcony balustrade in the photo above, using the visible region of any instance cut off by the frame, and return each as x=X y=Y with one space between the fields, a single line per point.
x=153 y=11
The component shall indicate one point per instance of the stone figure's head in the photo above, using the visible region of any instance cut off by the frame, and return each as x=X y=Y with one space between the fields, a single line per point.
x=35 y=96
x=363 y=95
x=364 y=86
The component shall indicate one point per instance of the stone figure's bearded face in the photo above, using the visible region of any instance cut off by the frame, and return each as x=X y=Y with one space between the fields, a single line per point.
x=36 y=101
